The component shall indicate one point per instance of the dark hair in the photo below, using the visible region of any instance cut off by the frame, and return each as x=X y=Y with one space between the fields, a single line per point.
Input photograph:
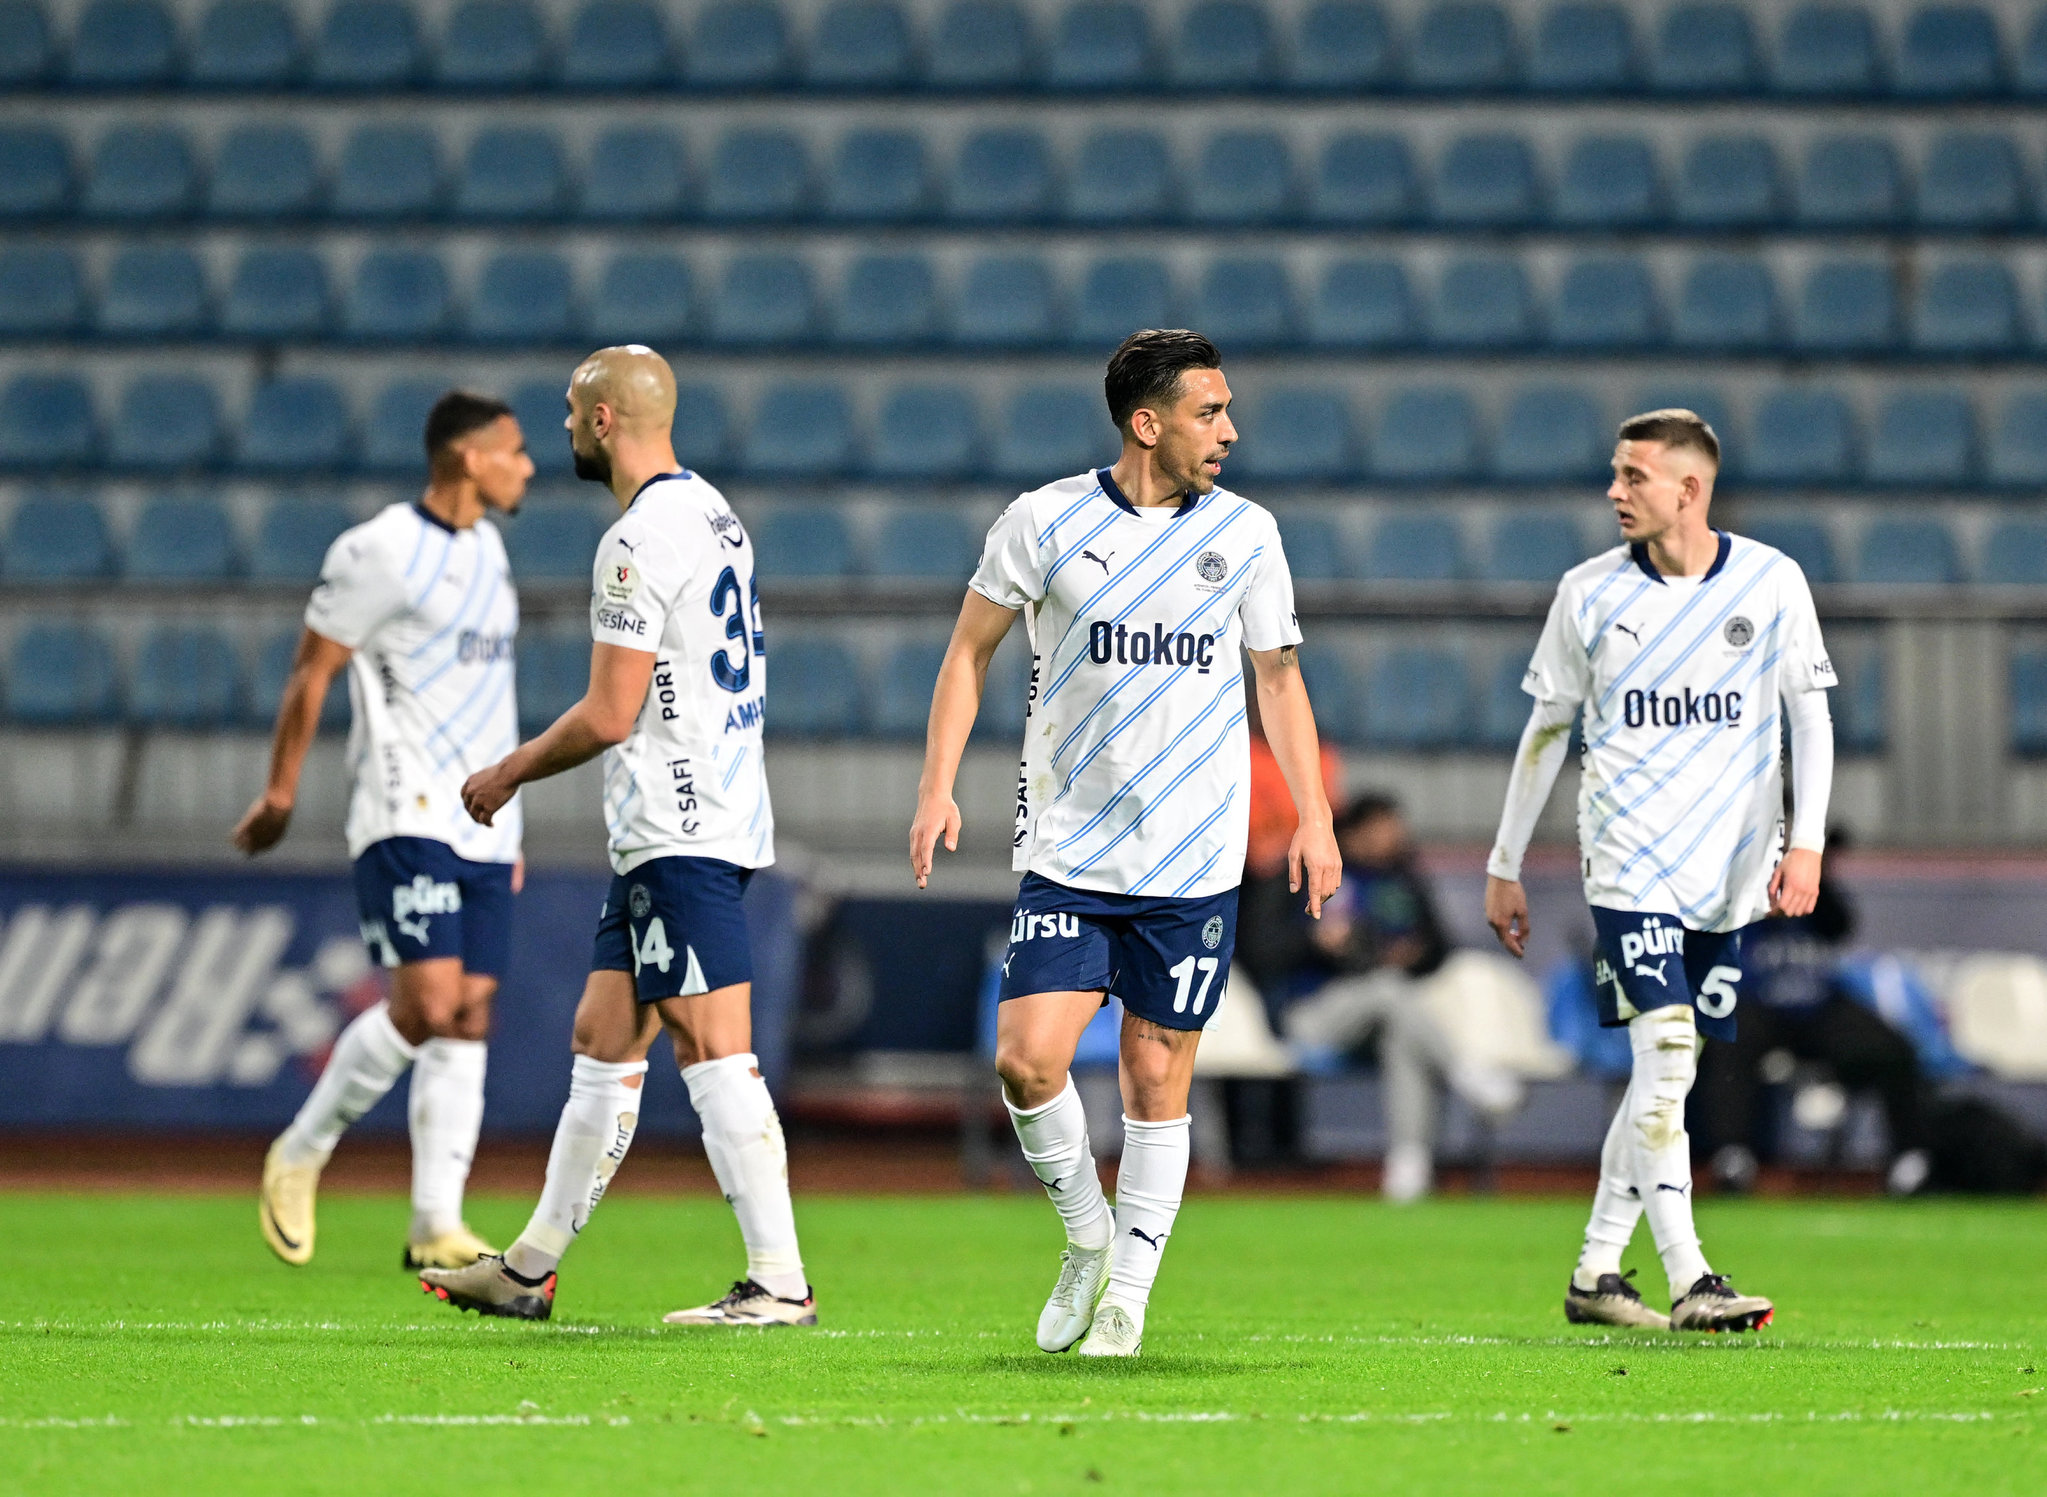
x=1146 y=367
x=1673 y=428
x=455 y=415
x=1367 y=807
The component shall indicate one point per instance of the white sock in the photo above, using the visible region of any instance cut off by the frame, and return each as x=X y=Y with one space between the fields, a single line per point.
x=445 y=1113
x=1616 y=1205
x=1666 y=1045
x=590 y=1141
x=368 y=1059
x=743 y=1137
x=1149 y=1183
x=1055 y=1145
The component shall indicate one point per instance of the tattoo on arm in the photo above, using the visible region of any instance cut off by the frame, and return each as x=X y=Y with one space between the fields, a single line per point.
x=1289 y=657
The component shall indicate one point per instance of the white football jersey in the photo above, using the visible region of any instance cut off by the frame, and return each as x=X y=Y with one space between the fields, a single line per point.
x=431 y=615
x=1681 y=800
x=674 y=577
x=1136 y=772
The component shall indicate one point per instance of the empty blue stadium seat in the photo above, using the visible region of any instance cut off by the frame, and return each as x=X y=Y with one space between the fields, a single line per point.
x=1531 y=547
x=1244 y=177
x=764 y=299
x=1463 y=46
x=1487 y=181
x=1246 y=302
x=1728 y=301
x=553 y=674
x=1053 y=429
x=1428 y=432
x=523 y=296
x=246 y=44
x=739 y=44
x=861 y=44
x=1363 y=179
x=634 y=173
x=1605 y=301
x=398 y=296
x=1314 y=546
x=901 y=704
x=1609 y=182
x=1583 y=47
x=1343 y=44
x=1846 y=306
x=926 y=540
x=41 y=292
x=141 y=172
x=1483 y=301
x=182 y=538
x=1364 y=304
x=1851 y=182
x=1806 y=542
x=1926 y=438
x=395 y=434
x=879 y=176
x=165 y=422
x=367 y=44
x=1907 y=552
x=263 y=171
x=57 y=538
x=2029 y=68
x=1416 y=698
x=511 y=173
x=1552 y=434
x=702 y=433
x=2027 y=685
x=1120 y=295
x=1972 y=180
x=819 y=691
x=46 y=421
x=388 y=171
x=1224 y=44
x=1503 y=711
x=28 y=53
x=1001 y=176
x=539 y=406
x=1704 y=49
x=154 y=293
x=1120 y=176
x=801 y=429
x=1967 y=306
x=1948 y=52
x=644 y=298
x=2015 y=554
x=1333 y=690
x=552 y=540
x=757 y=175
x=1828 y=51
x=1296 y=435
x=982 y=44
x=1006 y=693
x=496 y=44
x=1100 y=44
x=299 y=423
x=1007 y=301
x=1801 y=437
x=124 y=44
x=926 y=431
x=1415 y=548
x=803 y=540
x=35 y=172
x=887 y=300
x=277 y=294
x=1728 y=182
x=186 y=676
x=293 y=537
x=2017 y=455
x=617 y=44
x=59 y=675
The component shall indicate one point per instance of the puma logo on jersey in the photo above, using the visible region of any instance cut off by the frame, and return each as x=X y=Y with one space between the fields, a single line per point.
x=1631 y=634
x=1158 y=1243
x=1100 y=561
x=1656 y=971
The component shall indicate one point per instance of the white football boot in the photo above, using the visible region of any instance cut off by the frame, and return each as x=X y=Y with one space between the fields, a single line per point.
x=748 y=1304
x=1071 y=1309
x=1114 y=1334
x=1712 y=1304
x=285 y=1206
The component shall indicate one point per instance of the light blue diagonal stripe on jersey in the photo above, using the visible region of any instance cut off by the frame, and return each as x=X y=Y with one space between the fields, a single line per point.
x=1618 y=609
x=440 y=566
x=1074 y=775
x=1663 y=870
x=1768 y=725
x=502 y=675
x=1614 y=724
x=1052 y=530
x=1677 y=656
x=1185 y=842
x=455 y=623
x=1132 y=782
x=1708 y=914
x=737 y=760
x=1626 y=561
x=1674 y=624
x=1165 y=794
x=418 y=545
x=1195 y=877
x=1076 y=547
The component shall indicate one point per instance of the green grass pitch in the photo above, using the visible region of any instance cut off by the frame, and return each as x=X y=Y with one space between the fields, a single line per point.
x=149 y=1343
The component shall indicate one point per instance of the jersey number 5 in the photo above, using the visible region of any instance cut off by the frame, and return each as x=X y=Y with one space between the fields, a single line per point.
x=725 y=600
x=1716 y=993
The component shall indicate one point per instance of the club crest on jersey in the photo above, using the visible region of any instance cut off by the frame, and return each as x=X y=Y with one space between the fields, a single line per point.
x=1739 y=632
x=639 y=901
x=1212 y=933
x=1212 y=566
x=621 y=581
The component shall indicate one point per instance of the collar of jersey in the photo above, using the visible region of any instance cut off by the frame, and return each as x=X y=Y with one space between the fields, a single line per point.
x=431 y=518
x=657 y=478
x=1108 y=483
x=1640 y=551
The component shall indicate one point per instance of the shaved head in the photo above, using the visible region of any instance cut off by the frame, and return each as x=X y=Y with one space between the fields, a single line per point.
x=620 y=394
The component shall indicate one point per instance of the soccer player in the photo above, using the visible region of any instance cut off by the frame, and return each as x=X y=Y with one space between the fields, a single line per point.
x=1688 y=649
x=417 y=605
x=677 y=682
x=1139 y=584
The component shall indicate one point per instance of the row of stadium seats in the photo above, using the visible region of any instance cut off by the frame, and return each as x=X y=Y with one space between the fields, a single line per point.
x=1947 y=306
x=1827 y=50
x=811 y=430
x=1970 y=180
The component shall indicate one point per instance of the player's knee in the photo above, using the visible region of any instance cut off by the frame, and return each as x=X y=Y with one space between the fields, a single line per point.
x=1027 y=1076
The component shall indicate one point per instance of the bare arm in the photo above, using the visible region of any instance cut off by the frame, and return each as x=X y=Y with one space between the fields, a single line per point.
x=618 y=689
x=955 y=701
x=1290 y=729
x=313 y=669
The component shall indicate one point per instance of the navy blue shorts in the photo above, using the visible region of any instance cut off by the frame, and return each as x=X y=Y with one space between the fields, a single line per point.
x=418 y=900
x=677 y=925
x=1652 y=961
x=1167 y=959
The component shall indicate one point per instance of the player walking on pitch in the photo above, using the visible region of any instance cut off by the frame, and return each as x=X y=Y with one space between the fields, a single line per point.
x=677 y=682
x=1139 y=584
x=1687 y=648
x=417 y=605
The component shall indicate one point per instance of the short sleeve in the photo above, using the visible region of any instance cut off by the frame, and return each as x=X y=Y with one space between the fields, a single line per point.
x=1267 y=610
x=358 y=592
x=1560 y=670
x=1012 y=569
x=1806 y=663
x=633 y=588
